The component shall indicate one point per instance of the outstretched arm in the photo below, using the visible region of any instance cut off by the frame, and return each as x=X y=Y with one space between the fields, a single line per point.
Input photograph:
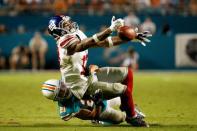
x=108 y=41
x=78 y=45
x=141 y=37
x=102 y=39
x=111 y=41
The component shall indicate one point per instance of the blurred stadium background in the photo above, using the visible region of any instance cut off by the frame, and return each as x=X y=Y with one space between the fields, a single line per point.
x=173 y=51
x=173 y=23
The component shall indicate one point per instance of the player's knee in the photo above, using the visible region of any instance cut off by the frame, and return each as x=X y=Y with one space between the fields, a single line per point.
x=119 y=88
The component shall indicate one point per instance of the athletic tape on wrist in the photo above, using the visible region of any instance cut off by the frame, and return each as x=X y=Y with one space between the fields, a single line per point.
x=111 y=44
x=95 y=38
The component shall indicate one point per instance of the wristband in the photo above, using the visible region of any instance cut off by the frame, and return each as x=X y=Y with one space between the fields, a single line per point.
x=95 y=38
x=111 y=44
x=112 y=28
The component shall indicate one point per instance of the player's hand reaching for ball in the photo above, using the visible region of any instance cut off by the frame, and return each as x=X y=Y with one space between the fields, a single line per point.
x=142 y=37
x=116 y=23
x=129 y=34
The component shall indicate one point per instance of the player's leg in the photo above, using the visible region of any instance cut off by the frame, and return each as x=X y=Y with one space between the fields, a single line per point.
x=127 y=103
x=122 y=75
x=112 y=116
x=114 y=102
x=109 y=90
x=112 y=74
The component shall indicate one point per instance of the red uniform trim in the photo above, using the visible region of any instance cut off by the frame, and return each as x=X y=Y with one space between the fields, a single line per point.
x=66 y=41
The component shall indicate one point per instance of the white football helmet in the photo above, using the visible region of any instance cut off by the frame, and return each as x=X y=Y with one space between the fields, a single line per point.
x=51 y=88
x=55 y=90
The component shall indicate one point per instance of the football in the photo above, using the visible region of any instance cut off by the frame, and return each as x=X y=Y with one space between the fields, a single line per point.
x=126 y=33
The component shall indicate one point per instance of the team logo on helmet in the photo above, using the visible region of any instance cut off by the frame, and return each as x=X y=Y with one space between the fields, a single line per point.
x=52 y=25
x=50 y=89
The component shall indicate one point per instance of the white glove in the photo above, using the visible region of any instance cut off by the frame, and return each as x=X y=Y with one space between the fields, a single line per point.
x=115 y=24
x=142 y=37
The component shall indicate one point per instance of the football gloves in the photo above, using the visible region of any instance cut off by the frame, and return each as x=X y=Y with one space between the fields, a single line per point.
x=142 y=37
x=116 y=23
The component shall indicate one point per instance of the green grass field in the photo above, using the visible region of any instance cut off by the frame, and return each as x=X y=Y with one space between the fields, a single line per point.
x=168 y=99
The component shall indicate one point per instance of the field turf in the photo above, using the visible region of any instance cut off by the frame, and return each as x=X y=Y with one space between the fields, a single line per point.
x=169 y=99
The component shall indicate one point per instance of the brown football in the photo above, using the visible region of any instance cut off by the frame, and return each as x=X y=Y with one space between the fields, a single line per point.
x=126 y=33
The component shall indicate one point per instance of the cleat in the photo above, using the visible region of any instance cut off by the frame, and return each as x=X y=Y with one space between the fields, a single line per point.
x=139 y=113
x=137 y=122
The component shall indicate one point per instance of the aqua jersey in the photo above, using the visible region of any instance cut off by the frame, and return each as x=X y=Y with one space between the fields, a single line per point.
x=69 y=107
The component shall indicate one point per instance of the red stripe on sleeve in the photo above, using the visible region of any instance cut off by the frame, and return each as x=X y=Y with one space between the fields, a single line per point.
x=66 y=41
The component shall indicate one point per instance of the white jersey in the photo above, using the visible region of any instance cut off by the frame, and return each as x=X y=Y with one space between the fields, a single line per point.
x=72 y=67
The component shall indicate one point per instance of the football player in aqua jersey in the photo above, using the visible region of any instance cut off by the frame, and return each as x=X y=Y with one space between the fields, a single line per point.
x=72 y=47
x=95 y=109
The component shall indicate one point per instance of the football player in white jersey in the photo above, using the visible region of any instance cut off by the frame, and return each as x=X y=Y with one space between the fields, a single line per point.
x=72 y=47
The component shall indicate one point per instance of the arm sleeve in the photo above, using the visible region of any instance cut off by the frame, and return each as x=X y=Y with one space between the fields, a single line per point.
x=67 y=40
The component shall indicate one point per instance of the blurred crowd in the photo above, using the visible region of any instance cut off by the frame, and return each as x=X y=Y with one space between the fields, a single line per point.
x=92 y=7
x=131 y=19
x=26 y=57
x=33 y=55
x=20 y=29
